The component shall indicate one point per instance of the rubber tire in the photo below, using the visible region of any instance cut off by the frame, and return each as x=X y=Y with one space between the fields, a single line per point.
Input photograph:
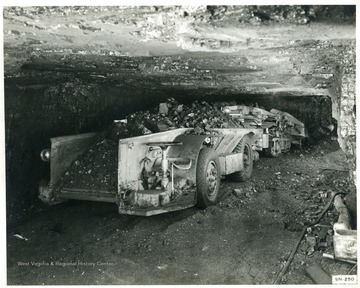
x=244 y=175
x=206 y=156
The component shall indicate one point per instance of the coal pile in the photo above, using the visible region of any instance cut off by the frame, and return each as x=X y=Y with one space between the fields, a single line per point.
x=96 y=170
x=172 y=115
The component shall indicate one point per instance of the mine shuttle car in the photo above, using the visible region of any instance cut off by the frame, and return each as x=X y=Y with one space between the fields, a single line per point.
x=175 y=169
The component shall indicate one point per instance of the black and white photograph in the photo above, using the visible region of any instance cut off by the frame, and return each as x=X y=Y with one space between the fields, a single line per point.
x=179 y=144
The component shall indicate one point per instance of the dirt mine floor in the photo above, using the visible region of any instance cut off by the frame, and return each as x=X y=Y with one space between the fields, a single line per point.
x=245 y=239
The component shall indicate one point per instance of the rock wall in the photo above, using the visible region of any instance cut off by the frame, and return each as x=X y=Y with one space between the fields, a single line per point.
x=344 y=105
x=344 y=111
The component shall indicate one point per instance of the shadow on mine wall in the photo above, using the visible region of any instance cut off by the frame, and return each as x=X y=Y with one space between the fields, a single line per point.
x=34 y=114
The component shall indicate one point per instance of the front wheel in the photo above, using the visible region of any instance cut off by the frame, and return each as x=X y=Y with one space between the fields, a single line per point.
x=207 y=177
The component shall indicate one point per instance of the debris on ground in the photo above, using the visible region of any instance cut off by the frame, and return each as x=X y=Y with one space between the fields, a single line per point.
x=318 y=275
x=345 y=239
x=311 y=242
x=331 y=256
x=18 y=236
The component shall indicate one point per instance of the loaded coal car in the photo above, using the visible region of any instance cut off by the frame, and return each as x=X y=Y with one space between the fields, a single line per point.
x=169 y=170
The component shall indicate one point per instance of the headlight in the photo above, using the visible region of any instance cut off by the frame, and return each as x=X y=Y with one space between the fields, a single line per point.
x=225 y=109
x=45 y=155
x=207 y=141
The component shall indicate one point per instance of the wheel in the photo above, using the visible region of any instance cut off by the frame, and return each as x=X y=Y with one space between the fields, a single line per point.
x=207 y=177
x=274 y=150
x=245 y=148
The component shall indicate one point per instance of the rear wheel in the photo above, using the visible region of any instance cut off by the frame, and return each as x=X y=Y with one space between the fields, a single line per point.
x=207 y=177
x=245 y=148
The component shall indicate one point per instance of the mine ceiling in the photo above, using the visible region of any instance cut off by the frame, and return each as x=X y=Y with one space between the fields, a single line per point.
x=193 y=50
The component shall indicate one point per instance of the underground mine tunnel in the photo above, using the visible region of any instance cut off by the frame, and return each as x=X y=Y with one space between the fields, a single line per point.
x=73 y=70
